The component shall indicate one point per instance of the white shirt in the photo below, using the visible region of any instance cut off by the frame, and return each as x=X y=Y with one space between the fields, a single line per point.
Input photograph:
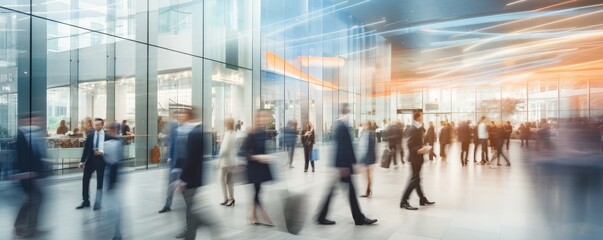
x=417 y=124
x=101 y=139
x=227 y=149
x=482 y=131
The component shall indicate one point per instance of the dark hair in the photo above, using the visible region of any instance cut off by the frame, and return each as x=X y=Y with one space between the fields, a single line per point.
x=124 y=121
x=100 y=119
x=112 y=125
x=416 y=115
x=345 y=108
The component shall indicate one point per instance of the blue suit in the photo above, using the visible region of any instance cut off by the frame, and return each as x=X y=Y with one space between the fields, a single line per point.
x=344 y=158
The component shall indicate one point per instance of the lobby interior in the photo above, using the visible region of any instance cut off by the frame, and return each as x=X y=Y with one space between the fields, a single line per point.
x=526 y=62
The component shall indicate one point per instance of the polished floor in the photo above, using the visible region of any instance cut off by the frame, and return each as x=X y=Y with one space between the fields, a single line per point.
x=473 y=202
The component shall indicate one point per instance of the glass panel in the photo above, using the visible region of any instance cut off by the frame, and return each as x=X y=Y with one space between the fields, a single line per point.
x=177 y=25
x=228 y=31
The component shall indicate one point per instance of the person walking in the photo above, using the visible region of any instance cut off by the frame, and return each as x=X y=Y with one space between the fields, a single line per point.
x=177 y=153
x=30 y=169
x=113 y=157
x=430 y=138
x=258 y=168
x=445 y=138
x=226 y=161
x=344 y=162
x=367 y=154
x=393 y=135
x=508 y=131
x=416 y=151
x=464 y=136
x=308 y=140
x=498 y=140
x=291 y=140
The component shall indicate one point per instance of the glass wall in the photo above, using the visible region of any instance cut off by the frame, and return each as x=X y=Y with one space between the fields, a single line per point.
x=315 y=57
x=132 y=62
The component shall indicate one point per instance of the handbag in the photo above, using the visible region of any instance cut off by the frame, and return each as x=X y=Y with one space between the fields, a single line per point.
x=238 y=174
x=386 y=159
x=314 y=155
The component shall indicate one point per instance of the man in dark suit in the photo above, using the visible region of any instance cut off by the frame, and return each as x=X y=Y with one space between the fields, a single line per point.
x=192 y=176
x=465 y=139
x=344 y=162
x=445 y=137
x=508 y=128
x=394 y=138
x=414 y=134
x=92 y=160
x=430 y=138
x=30 y=166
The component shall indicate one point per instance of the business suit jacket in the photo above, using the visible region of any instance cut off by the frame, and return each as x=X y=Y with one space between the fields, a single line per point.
x=30 y=152
x=445 y=136
x=464 y=133
x=430 y=135
x=89 y=146
x=415 y=142
x=344 y=150
x=192 y=173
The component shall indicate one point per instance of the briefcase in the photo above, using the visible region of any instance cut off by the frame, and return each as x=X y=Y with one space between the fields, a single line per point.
x=386 y=159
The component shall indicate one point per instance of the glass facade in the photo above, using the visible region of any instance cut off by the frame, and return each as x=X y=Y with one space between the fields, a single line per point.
x=132 y=60
x=137 y=60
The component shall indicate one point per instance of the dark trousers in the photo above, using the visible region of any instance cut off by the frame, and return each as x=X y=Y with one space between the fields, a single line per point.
x=431 y=153
x=354 y=206
x=307 y=155
x=499 y=153
x=414 y=183
x=508 y=140
x=394 y=149
x=93 y=164
x=195 y=220
x=464 y=151
x=27 y=219
x=291 y=151
x=443 y=149
x=112 y=175
x=527 y=144
x=484 y=143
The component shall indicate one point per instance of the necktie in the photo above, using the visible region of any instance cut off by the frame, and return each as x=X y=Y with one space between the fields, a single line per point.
x=96 y=140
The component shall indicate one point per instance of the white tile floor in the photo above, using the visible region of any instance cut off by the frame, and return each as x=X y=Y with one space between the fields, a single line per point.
x=474 y=202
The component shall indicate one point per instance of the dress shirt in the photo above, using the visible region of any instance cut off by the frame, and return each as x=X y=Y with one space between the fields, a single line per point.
x=100 y=136
x=482 y=131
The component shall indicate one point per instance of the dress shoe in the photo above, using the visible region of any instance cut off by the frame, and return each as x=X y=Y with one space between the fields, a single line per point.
x=84 y=204
x=165 y=209
x=231 y=203
x=225 y=202
x=325 y=222
x=407 y=206
x=424 y=202
x=366 y=221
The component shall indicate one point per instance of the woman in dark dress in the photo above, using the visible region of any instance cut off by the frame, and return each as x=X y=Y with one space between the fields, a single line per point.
x=258 y=168
x=308 y=142
x=368 y=154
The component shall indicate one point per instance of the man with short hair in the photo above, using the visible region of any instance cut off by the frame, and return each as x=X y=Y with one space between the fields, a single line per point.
x=416 y=150
x=93 y=161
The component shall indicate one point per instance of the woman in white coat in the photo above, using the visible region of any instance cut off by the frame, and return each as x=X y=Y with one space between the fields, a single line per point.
x=227 y=161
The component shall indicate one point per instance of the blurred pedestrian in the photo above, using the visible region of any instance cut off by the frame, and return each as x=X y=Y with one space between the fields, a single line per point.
x=498 y=139
x=464 y=136
x=192 y=175
x=113 y=157
x=308 y=140
x=445 y=138
x=430 y=138
x=226 y=161
x=524 y=133
x=508 y=131
x=177 y=153
x=30 y=168
x=291 y=140
x=367 y=154
x=344 y=162
x=416 y=151
x=258 y=168
x=62 y=128
x=482 y=135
